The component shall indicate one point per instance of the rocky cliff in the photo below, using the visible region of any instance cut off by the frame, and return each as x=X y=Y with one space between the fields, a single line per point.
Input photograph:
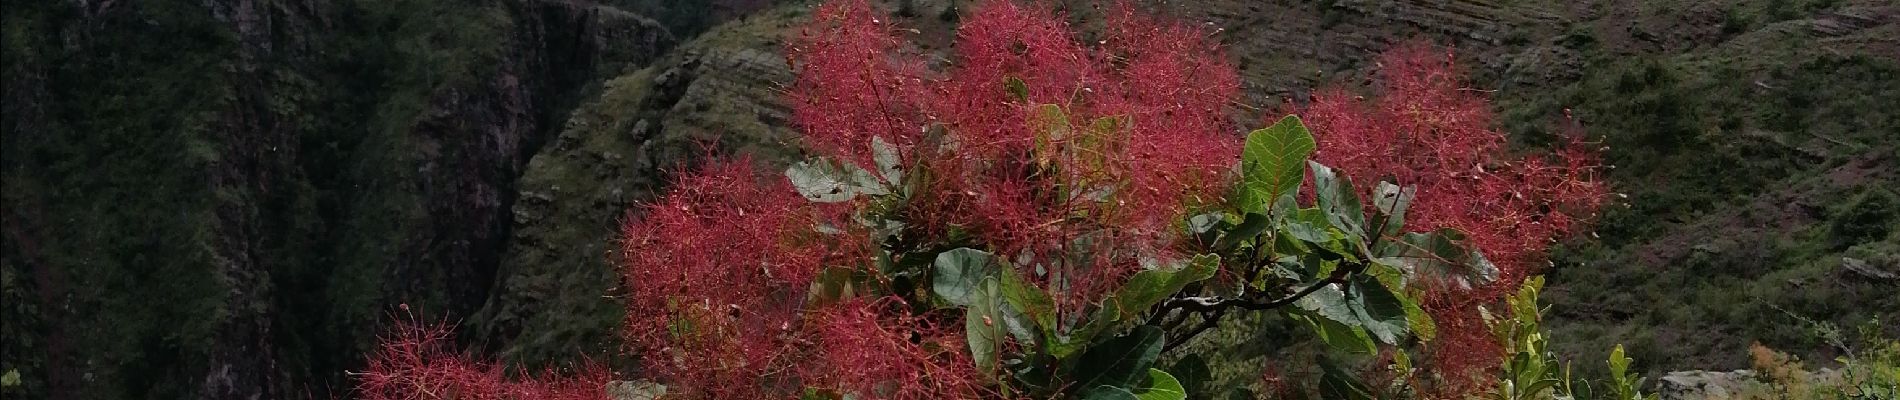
x=223 y=199
x=715 y=95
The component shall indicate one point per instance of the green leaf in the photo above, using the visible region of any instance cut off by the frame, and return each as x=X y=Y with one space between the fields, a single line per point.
x=1338 y=200
x=1104 y=316
x=1537 y=387
x=1439 y=255
x=1240 y=393
x=1422 y=325
x=1230 y=288
x=1105 y=392
x=827 y=181
x=889 y=163
x=1270 y=162
x=1161 y=386
x=1338 y=335
x=1330 y=303
x=1369 y=306
x=1020 y=326
x=1052 y=128
x=910 y=266
x=812 y=393
x=1286 y=203
x=1149 y=287
x=1524 y=302
x=1289 y=267
x=1017 y=89
x=1338 y=383
x=1247 y=230
x=1525 y=372
x=1119 y=361
x=1379 y=311
x=1310 y=225
x=1206 y=228
x=1031 y=372
x=1619 y=362
x=1417 y=320
x=831 y=285
x=1193 y=373
x=1032 y=301
x=1095 y=149
x=983 y=326
x=1392 y=201
x=960 y=273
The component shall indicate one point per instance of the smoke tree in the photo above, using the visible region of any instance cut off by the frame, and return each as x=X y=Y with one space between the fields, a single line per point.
x=1046 y=216
x=1428 y=132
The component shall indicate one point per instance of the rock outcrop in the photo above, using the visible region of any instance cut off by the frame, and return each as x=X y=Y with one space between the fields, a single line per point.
x=1750 y=384
x=1704 y=385
x=714 y=96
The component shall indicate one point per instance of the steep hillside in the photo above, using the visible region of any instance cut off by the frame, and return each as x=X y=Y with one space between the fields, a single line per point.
x=1758 y=155
x=224 y=199
x=716 y=94
x=1754 y=140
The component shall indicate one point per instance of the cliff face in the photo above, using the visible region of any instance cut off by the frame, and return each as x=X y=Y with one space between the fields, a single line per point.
x=1662 y=84
x=223 y=199
x=714 y=95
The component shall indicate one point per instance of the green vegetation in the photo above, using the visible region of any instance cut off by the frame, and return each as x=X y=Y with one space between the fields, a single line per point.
x=1745 y=151
x=1868 y=369
x=691 y=18
x=105 y=164
x=180 y=184
x=1532 y=371
x=1759 y=166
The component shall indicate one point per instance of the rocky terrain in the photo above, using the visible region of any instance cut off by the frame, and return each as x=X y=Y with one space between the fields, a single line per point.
x=716 y=95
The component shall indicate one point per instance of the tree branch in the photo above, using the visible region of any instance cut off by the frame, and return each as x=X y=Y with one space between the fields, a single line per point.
x=1209 y=304
x=1208 y=322
x=1215 y=308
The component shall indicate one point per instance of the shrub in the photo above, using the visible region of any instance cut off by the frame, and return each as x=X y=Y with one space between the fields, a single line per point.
x=416 y=362
x=1425 y=131
x=1866 y=218
x=1046 y=217
x=1869 y=367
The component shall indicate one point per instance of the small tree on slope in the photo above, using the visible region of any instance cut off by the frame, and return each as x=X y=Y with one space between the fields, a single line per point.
x=1045 y=217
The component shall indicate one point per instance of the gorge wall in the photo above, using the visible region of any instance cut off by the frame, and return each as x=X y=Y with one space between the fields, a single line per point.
x=226 y=199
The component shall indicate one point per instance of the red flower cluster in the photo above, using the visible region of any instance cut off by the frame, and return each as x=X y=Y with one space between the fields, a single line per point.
x=874 y=348
x=853 y=84
x=415 y=363
x=718 y=269
x=1425 y=129
x=1142 y=125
